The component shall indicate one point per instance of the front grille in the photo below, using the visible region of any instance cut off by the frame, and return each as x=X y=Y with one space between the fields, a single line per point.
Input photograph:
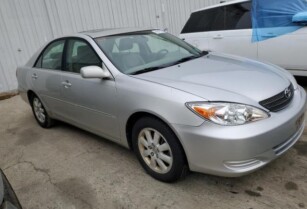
x=279 y=101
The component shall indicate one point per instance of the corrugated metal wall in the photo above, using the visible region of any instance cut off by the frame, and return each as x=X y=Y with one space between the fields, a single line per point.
x=26 y=24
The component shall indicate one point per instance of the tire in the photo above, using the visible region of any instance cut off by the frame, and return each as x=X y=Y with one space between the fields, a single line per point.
x=158 y=150
x=40 y=113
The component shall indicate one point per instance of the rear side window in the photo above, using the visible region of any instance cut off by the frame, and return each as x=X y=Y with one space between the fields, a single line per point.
x=218 y=22
x=39 y=62
x=238 y=16
x=231 y=17
x=52 y=56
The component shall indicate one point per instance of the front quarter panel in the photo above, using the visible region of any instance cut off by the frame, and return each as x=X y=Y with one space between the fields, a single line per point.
x=168 y=104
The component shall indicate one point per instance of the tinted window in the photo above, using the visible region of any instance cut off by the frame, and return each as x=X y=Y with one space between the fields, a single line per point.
x=80 y=54
x=52 y=56
x=218 y=23
x=238 y=16
x=200 y=21
x=235 y=16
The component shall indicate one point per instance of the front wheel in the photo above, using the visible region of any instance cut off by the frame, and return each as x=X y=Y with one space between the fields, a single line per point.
x=40 y=113
x=158 y=150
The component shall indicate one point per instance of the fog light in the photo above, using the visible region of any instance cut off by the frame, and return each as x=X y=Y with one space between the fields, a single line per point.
x=243 y=165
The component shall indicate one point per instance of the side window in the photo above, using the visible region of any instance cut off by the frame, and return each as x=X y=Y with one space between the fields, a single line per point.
x=39 y=62
x=201 y=21
x=238 y=16
x=218 y=23
x=232 y=17
x=52 y=56
x=80 y=54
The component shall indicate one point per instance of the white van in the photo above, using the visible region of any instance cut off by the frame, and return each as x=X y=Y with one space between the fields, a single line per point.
x=227 y=28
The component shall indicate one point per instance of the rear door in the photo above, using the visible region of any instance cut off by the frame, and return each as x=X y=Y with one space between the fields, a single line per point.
x=231 y=31
x=46 y=75
x=288 y=51
x=89 y=103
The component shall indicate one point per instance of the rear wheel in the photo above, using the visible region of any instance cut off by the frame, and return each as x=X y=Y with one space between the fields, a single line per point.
x=40 y=113
x=158 y=150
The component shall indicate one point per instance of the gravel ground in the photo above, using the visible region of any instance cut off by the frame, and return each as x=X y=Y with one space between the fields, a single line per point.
x=65 y=167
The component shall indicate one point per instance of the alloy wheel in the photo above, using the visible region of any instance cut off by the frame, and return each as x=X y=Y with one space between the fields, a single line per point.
x=39 y=110
x=155 y=150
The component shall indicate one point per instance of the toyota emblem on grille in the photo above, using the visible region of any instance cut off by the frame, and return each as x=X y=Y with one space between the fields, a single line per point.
x=288 y=93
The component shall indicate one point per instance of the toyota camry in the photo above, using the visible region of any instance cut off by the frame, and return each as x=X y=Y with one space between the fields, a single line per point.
x=178 y=108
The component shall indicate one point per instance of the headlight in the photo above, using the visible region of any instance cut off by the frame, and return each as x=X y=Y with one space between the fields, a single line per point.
x=228 y=114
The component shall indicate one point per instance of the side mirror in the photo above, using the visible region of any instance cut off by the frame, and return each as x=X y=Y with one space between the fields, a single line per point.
x=95 y=72
x=300 y=18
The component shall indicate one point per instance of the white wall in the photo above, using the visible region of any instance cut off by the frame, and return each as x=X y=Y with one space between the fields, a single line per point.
x=26 y=24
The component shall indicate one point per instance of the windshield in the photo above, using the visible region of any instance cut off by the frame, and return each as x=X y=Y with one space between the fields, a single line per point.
x=141 y=52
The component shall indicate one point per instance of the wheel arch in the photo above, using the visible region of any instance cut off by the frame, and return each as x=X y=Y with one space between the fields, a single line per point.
x=30 y=95
x=138 y=115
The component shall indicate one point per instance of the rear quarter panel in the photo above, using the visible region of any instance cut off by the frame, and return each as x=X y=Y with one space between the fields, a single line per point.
x=288 y=51
x=25 y=82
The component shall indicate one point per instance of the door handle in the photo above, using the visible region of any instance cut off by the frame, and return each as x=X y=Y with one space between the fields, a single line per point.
x=66 y=84
x=270 y=35
x=219 y=36
x=34 y=76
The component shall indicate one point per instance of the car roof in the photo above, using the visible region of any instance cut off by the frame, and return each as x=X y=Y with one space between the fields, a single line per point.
x=221 y=4
x=112 y=31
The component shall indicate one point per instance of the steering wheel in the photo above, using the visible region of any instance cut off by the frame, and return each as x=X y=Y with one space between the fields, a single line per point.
x=162 y=53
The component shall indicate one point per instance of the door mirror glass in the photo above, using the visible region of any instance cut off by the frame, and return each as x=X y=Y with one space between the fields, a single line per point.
x=95 y=72
x=300 y=18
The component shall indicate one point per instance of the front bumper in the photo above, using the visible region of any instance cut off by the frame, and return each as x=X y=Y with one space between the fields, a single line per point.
x=239 y=150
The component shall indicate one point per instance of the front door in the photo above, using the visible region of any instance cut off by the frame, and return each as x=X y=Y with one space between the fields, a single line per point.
x=90 y=103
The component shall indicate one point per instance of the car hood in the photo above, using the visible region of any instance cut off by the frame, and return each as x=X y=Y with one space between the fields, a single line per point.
x=220 y=77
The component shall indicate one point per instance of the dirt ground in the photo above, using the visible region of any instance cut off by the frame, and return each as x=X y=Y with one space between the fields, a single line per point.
x=65 y=167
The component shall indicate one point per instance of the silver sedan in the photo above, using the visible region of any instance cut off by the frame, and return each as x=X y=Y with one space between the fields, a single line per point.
x=176 y=107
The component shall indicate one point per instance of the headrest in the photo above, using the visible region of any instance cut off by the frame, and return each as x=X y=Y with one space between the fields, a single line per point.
x=56 y=55
x=83 y=50
x=86 y=55
x=125 y=44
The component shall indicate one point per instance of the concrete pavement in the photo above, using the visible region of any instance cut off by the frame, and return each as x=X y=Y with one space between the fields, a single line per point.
x=67 y=168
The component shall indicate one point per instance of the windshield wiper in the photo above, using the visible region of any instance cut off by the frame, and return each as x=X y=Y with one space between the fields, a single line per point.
x=204 y=53
x=146 y=70
x=185 y=59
